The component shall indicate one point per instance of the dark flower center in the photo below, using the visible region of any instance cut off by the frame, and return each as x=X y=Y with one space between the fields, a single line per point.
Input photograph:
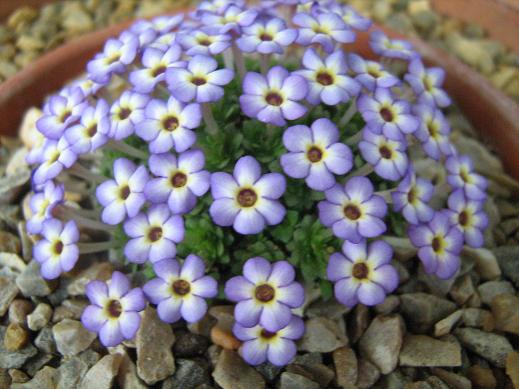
x=432 y=128
x=266 y=37
x=274 y=99
x=54 y=157
x=375 y=73
x=58 y=247
x=178 y=180
x=247 y=197
x=360 y=271
x=124 y=192
x=114 y=308
x=427 y=84
x=265 y=293
x=385 y=152
x=198 y=81
x=314 y=154
x=411 y=195
x=352 y=212
x=124 y=113
x=155 y=234
x=204 y=41
x=92 y=130
x=267 y=334
x=64 y=116
x=463 y=218
x=158 y=71
x=436 y=244
x=464 y=176
x=324 y=78
x=181 y=287
x=386 y=114
x=170 y=123
x=113 y=59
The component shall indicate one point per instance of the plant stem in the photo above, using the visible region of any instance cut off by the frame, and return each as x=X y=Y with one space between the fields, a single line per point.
x=352 y=109
x=82 y=220
x=228 y=59
x=211 y=125
x=386 y=194
x=89 y=248
x=82 y=172
x=264 y=63
x=354 y=139
x=127 y=149
x=239 y=60
x=362 y=171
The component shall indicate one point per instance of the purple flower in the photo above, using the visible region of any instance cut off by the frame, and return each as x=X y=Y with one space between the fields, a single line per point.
x=273 y=98
x=266 y=37
x=426 y=83
x=411 y=198
x=125 y=113
x=391 y=48
x=439 y=244
x=260 y=345
x=57 y=251
x=116 y=56
x=433 y=131
x=353 y=212
x=61 y=111
x=315 y=154
x=55 y=156
x=166 y=23
x=247 y=200
x=91 y=131
x=153 y=235
x=87 y=86
x=155 y=63
x=363 y=273
x=327 y=79
x=114 y=309
x=123 y=196
x=461 y=174
x=169 y=124
x=231 y=19
x=200 y=81
x=163 y=42
x=42 y=204
x=370 y=74
x=180 y=291
x=384 y=114
x=387 y=156
x=265 y=294
x=325 y=29
x=179 y=181
x=469 y=217
x=352 y=18
x=204 y=41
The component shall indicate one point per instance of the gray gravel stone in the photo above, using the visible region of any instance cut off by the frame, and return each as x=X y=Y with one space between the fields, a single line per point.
x=231 y=372
x=102 y=374
x=44 y=379
x=30 y=282
x=491 y=289
x=508 y=259
x=322 y=335
x=296 y=381
x=492 y=347
x=422 y=311
x=39 y=317
x=188 y=375
x=14 y=359
x=72 y=337
x=8 y=291
x=422 y=350
x=45 y=341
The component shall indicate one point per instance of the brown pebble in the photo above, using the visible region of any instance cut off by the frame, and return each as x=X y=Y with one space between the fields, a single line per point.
x=224 y=338
x=18 y=311
x=481 y=377
x=15 y=337
x=512 y=368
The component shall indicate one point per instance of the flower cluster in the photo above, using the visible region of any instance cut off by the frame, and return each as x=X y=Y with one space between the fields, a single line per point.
x=215 y=135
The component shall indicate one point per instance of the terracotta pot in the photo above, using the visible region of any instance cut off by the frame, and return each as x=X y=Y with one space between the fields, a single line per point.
x=7 y=7
x=499 y=17
x=491 y=112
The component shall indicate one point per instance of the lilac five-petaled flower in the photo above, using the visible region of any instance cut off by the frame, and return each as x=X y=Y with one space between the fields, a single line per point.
x=327 y=79
x=391 y=48
x=92 y=130
x=426 y=83
x=469 y=216
x=371 y=74
x=362 y=273
x=125 y=113
x=205 y=41
x=353 y=211
x=274 y=99
x=265 y=294
x=439 y=244
x=460 y=174
x=411 y=198
x=231 y=19
x=325 y=29
x=55 y=156
x=315 y=154
x=200 y=81
x=433 y=131
x=179 y=291
x=114 y=309
x=169 y=124
x=42 y=204
x=57 y=251
x=124 y=195
x=260 y=345
x=153 y=235
x=179 y=180
x=384 y=114
x=266 y=37
x=247 y=200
